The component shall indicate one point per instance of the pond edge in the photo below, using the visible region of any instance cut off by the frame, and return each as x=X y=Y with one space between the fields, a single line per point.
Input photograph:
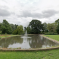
x=32 y=49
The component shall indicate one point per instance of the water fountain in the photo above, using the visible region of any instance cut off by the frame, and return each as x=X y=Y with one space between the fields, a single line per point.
x=25 y=35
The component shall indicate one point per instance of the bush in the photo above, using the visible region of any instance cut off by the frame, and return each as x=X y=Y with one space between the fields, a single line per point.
x=0 y=32
x=15 y=32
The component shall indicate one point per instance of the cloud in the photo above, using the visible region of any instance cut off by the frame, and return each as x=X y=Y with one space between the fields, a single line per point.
x=4 y=12
x=49 y=13
x=23 y=11
x=44 y=14
x=30 y=14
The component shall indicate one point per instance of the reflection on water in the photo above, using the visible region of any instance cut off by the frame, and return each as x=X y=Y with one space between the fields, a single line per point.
x=25 y=43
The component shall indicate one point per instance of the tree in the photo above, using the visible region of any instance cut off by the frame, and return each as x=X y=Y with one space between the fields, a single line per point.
x=57 y=28
x=6 y=28
x=28 y=30
x=57 y=21
x=35 y=26
x=52 y=27
x=0 y=28
x=19 y=30
x=45 y=27
x=15 y=32
x=14 y=27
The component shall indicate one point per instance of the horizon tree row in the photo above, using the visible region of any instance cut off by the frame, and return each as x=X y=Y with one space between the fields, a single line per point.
x=6 y=28
x=34 y=27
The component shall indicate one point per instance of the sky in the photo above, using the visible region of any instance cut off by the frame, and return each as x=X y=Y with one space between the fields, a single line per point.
x=21 y=12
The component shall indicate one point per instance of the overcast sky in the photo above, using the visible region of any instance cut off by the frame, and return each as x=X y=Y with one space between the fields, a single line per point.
x=21 y=12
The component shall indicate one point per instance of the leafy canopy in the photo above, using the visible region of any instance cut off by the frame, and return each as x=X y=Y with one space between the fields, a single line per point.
x=35 y=26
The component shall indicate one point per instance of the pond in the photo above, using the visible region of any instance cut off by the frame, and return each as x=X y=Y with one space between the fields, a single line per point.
x=31 y=41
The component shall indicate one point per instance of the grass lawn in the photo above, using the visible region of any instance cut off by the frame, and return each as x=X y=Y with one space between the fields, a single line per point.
x=50 y=54
x=6 y=35
x=55 y=37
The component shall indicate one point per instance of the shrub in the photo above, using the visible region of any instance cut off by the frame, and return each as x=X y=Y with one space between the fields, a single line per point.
x=0 y=32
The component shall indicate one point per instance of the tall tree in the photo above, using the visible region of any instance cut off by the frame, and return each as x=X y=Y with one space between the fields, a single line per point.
x=14 y=27
x=52 y=27
x=35 y=26
x=28 y=30
x=6 y=28
x=0 y=28
x=45 y=27
x=57 y=21
x=19 y=30
x=57 y=28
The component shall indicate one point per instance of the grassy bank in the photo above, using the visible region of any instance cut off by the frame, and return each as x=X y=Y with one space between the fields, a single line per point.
x=55 y=37
x=6 y=35
x=52 y=54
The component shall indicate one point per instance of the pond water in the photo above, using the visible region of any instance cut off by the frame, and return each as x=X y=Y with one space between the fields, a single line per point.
x=31 y=41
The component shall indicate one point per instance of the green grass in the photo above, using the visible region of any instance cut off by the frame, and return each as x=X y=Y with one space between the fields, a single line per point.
x=55 y=37
x=52 y=54
x=6 y=35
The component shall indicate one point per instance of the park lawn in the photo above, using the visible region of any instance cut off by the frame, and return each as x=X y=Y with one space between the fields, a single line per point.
x=55 y=37
x=51 y=54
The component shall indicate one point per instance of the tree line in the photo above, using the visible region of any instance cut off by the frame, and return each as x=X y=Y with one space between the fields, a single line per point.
x=34 y=27
x=6 y=28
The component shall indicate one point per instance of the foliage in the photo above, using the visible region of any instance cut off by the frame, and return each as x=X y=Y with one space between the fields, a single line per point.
x=0 y=26
x=28 y=30
x=19 y=30
x=14 y=27
x=45 y=27
x=57 y=21
x=57 y=28
x=15 y=32
x=6 y=28
x=52 y=27
x=35 y=27
x=0 y=32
